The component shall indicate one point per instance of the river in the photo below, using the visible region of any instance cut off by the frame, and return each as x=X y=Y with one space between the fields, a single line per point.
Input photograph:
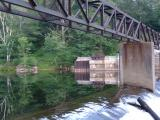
x=58 y=96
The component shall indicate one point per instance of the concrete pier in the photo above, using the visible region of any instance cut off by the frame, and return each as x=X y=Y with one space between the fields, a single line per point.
x=137 y=64
x=157 y=64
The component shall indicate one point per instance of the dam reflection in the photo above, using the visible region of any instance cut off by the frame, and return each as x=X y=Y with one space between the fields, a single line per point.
x=97 y=71
x=98 y=78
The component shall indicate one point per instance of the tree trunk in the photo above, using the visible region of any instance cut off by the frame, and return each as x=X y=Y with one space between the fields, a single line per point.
x=8 y=58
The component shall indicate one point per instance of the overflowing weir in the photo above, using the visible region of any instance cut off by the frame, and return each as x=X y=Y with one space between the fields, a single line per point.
x=103 y=110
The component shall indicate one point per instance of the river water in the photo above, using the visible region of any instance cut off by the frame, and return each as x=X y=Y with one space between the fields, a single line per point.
x=57 y=96
x=118 y=111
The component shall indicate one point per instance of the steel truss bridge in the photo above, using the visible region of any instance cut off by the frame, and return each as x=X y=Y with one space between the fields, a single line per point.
x=94 y=16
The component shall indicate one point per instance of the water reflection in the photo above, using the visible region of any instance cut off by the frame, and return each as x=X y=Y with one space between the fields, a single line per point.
x=98 y=78
x=20 y=94
x=6 y=97
x=119 y=111
x=97 y=71
x=27 y=94
x=49 y=96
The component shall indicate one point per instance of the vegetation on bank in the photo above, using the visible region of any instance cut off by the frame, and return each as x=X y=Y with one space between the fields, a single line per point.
x=7 y=68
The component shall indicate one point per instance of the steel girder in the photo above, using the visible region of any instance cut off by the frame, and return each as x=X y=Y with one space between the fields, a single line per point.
x=94 y=16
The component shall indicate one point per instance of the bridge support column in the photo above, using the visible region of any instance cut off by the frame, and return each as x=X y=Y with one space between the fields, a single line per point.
x=138 y=64
x=157 y=65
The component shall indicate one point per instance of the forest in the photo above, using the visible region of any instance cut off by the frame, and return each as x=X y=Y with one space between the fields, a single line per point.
x=30 y=42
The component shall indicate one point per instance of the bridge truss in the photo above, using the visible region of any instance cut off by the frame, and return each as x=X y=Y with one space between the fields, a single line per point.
x=94 y=16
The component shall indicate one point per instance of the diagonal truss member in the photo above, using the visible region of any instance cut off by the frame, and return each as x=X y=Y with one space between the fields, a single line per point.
x=94 y=16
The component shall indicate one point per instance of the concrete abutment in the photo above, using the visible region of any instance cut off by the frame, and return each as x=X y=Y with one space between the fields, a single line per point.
x=137 y=63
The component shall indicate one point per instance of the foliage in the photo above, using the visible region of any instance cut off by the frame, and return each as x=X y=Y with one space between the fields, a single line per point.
x=53 y=42
x=8 y=35
x=90 y=44
x=146 y=11
x=24 y=48
x=35 y=32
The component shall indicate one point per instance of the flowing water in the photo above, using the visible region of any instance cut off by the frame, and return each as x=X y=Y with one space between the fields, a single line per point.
x=55 y=96
x=118 y=111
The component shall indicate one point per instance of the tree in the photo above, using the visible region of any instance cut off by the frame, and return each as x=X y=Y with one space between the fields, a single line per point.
x=88 y=44
x=53 y=42
x=6 y=33
x=24 y=48
x=9 y=29
x=146 y=11
x=35 y=31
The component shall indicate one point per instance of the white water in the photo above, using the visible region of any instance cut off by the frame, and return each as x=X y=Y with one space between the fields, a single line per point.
x=120 y=111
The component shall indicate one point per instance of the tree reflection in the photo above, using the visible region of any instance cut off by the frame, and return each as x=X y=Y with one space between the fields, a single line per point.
x=27 y=93
x=6 y=98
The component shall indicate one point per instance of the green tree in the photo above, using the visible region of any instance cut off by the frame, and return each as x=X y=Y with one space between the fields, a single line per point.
x=35 y=31
x=146 y=11
x=9 y=27
x=53 y=42
x=24 y=48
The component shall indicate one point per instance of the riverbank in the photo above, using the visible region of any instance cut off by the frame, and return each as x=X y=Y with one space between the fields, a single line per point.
x=10 y=68
x=7 y=68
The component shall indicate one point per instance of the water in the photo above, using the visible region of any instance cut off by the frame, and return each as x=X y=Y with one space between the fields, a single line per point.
x=23 y=97
x=118 y=111
x=54 y=96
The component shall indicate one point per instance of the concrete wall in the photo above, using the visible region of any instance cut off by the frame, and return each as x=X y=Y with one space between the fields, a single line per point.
x=137 y=64
x=157 y=66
